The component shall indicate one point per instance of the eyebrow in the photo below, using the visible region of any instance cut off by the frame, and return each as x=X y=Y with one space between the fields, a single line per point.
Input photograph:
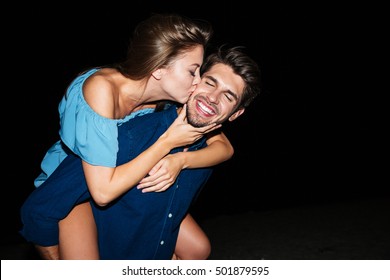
x=234 y=95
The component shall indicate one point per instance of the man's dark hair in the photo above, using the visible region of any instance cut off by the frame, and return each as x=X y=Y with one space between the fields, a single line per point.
x=242 y=65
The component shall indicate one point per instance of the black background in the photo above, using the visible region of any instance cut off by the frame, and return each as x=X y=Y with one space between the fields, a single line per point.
x=308 y=139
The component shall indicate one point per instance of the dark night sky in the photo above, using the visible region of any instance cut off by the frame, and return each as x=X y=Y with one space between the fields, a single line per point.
x=307 y=139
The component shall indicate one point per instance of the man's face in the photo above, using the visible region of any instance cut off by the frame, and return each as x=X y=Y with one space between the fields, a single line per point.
x=216 y=97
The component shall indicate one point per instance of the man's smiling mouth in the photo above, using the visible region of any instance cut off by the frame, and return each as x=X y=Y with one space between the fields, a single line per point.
x=208 y=111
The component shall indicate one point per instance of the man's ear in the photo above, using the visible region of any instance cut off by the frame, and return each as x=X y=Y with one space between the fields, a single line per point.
x=236 y=114
x=157 y=74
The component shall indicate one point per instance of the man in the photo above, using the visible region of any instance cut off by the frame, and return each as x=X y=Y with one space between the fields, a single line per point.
x=146 y=225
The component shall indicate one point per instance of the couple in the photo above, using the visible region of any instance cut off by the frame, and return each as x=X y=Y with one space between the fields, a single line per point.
x=139 y=224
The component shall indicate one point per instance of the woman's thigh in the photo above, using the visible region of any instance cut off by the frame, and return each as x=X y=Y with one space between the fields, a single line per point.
x=78 y=235
x=192 y=242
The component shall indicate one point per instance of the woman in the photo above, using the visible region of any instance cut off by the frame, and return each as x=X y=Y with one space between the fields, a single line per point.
x=163 y=63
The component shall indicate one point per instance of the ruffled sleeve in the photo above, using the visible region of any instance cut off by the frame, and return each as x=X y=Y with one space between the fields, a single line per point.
x=87 y=134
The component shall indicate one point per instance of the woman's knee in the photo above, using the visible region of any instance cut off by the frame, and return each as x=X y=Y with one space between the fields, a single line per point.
x=203 y=249
x=199 y=249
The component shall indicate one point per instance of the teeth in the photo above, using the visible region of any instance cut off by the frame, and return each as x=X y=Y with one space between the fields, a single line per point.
x=204 y=108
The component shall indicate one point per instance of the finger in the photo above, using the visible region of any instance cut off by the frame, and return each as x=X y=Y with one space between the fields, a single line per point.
x=207 y=128
x=155 y=188
x=154 y=169
x=146 y=181
x=182 y=114
x=149 y=179
x=149 y=182
x=163 y=189
x=212 y=127
x=143 y=185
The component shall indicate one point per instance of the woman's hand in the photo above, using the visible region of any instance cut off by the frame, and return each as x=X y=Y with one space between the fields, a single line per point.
x=181 y=133
x=162 y=175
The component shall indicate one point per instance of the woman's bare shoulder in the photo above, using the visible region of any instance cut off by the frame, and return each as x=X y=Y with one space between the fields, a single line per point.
x=98 y=91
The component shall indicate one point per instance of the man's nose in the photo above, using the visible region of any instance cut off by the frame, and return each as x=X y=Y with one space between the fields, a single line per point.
x=214 y=96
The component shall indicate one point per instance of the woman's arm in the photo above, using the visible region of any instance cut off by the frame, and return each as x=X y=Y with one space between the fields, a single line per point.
x=106 y=183
x=218 y=150
x=164 y=173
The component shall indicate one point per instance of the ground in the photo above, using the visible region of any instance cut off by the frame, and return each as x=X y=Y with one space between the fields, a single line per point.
x=346 y=230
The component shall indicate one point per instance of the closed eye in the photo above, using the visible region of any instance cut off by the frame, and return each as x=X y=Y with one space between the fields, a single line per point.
x=210 y=81
x=210 y=84
x=229 y=97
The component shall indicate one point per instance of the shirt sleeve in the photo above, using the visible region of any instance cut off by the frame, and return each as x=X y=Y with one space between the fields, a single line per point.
x=87 y=134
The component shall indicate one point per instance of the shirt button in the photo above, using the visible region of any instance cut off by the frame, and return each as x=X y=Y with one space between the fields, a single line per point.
x=170 y=215
x=162 y=242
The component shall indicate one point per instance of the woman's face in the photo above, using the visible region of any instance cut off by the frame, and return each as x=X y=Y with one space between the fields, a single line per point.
x=179 y=80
